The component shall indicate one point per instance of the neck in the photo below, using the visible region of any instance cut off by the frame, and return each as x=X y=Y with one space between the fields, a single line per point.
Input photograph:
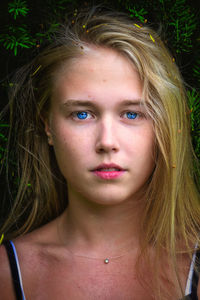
x=91 y=229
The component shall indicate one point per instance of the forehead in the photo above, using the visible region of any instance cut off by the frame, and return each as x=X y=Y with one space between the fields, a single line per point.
x=98 y=74
x=98 y=60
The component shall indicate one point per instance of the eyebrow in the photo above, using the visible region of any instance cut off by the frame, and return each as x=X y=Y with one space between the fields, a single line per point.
x=71 y=103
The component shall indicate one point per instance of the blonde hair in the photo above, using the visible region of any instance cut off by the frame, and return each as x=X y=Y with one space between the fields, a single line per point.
x=172 y=201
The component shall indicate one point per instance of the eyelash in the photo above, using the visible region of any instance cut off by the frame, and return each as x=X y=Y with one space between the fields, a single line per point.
x=75 y=113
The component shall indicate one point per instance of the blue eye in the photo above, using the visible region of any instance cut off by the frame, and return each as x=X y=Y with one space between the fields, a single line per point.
x=131 y=115
x=82 y=115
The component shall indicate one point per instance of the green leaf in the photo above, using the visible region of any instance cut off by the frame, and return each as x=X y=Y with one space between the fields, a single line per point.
x=4 y=125
x=17 y=8
x=24 y=46
x=11 y=10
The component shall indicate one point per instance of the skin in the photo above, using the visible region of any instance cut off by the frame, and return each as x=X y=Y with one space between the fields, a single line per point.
x=107 y=135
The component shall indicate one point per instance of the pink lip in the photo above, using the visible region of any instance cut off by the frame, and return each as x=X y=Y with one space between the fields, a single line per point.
x=98 y=171
x=108 y=174
x=107 y=166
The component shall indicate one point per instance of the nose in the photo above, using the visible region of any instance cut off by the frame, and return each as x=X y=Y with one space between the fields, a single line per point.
x=107 y=140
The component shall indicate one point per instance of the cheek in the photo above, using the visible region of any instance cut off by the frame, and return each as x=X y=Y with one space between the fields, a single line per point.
x=70 y=145
x=141 y=141
x=147 y=147
x=144 y=153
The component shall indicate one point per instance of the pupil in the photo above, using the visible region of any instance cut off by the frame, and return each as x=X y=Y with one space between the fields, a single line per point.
x=82 y=115
x=131 y=115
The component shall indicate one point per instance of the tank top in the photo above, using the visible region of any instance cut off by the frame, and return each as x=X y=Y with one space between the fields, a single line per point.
x=190 y=290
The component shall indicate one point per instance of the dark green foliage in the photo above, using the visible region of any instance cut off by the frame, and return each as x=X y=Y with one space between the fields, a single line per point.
x=41 y=36
x=17 y=8
x=196 y=69
x=16 y=37
x=181 y=22
x=140 y=14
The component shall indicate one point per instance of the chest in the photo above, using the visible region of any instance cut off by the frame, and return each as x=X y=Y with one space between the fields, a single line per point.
x=90 y=288
x=89 y=281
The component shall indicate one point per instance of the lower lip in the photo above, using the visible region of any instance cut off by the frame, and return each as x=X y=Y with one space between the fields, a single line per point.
x=109 y=175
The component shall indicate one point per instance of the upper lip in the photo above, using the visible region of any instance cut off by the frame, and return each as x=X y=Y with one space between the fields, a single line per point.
x=107 y=166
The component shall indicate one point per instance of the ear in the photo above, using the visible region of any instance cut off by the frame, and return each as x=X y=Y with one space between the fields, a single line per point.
x=47 y=129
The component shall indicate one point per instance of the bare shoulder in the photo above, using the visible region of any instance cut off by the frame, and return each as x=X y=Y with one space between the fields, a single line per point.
x=6 y=282
x=6 y=286
x=32 y=256
x=31 y=247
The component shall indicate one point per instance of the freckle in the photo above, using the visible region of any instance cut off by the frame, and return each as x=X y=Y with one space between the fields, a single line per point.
x=104 y=80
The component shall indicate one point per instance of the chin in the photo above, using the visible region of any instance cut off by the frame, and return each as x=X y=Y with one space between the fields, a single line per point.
x=108 y=199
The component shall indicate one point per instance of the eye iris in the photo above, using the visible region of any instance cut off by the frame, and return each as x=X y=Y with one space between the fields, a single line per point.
x=82 y=115
x=131 y=115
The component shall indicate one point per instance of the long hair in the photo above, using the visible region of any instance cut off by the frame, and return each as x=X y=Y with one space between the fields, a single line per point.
x=171 y=216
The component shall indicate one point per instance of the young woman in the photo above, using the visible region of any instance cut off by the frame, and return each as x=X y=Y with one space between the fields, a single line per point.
x=107 y=207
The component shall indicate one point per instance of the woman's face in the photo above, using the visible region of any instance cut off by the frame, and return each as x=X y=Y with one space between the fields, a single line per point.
x=96 y=120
